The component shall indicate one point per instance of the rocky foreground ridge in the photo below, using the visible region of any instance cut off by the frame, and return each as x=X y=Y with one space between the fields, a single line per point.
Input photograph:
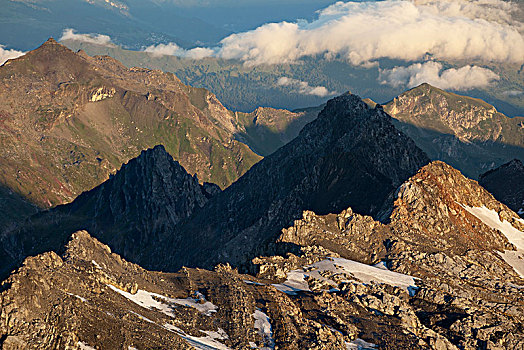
x=439 y=275
x=153 y=213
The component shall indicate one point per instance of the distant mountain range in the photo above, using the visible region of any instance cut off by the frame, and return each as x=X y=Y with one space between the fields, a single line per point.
x=465 y=132
x=86 y=106
x=244 y=88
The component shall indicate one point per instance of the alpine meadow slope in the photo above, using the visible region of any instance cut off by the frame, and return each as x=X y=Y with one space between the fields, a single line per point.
x=69 y=120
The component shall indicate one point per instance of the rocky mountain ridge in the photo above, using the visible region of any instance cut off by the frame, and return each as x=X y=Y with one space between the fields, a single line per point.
x=69 y=120
x=354 y=283
x=350 y=155
x=467 y=133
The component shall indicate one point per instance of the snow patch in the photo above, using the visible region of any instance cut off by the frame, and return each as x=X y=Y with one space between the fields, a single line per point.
x=141 y=317
x=78 y=296
x=209 y=342
x=514 y=259
x=199 y=302
x=84 y=346
x=263 y=326
x=359 y=344
x=253 y=283
x=491 y=218
x=96 y=264
x=165 y=304
x=516 y=237
x=296 y=279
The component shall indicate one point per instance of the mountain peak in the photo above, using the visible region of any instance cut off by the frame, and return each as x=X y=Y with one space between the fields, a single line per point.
x=351 y=155
x=51 y=41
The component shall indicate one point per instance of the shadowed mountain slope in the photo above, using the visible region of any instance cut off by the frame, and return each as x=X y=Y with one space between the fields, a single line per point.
x=350 y=156
x=506 y=183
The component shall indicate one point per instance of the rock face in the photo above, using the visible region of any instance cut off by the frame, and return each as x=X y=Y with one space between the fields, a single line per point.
x=506 y=184
x=152 y=212
x=68 y=121
x=132 y=211
x=438 y=282
x=351 y=155
x=467 y=133
x=468 y=291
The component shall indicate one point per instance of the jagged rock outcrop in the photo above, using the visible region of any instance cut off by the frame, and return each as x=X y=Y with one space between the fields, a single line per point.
x=68 y=121
x=506 y=184
x=466 y=133
x=351 y=155
x=448 y=232
x=435 y=276
x=132 y=211
x=90 y=297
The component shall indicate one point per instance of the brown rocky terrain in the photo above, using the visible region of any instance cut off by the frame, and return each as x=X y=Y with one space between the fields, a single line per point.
x=467 y=292
x=68 y=120
x=467 y=133
x=153 y=213
x=438 y=283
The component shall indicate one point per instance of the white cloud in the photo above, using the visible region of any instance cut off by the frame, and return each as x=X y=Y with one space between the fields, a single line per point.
x=8 y=54
x=481 y=30
x=513 y=93
x=98 y=39
x=173 y=49
x=304 y=88
x=464 y=78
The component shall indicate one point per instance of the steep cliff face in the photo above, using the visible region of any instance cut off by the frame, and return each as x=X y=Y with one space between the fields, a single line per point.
x=506 y=184
x=351 y=155
x=133 y=211
x=68 y=121
x=443 y=273
x=465 y=132
x=465 y=248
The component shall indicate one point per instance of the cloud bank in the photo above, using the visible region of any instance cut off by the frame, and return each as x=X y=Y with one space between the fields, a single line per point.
x=304 y=88
x=173 y=49
x=98 y=39
x=8 y=54
x=407 y=30
x=464 y=78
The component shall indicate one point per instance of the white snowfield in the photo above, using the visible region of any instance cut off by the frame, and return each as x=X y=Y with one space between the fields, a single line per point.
x=516 y=237
x=84 y=346
x=263 y=326
x=165 y=304
x=209 y=342
x=296 y=279
x=359 y=344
